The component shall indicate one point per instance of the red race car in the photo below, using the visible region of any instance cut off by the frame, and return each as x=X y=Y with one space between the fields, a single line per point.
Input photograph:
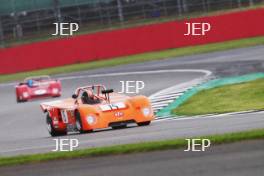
x=37 y=87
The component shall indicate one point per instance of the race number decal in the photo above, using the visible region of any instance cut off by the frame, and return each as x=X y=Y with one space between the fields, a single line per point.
x=114 y=106
x=64 y=116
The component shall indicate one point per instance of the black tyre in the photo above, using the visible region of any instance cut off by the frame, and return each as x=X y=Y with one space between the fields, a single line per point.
x=52 y=130
x=20 y=101
x=56 y=96
x=79 y=124
x=144 y=123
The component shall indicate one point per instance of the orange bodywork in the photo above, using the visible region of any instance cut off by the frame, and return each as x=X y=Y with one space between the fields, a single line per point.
x=119 y=109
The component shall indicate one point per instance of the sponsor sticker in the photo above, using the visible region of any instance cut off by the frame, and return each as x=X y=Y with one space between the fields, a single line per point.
x=119 y=114
x=40 y=92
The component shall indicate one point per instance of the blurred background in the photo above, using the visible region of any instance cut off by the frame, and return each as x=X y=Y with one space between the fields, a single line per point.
x=32 y=20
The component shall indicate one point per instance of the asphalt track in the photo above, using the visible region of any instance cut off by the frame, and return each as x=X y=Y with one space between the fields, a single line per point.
x=23 y=130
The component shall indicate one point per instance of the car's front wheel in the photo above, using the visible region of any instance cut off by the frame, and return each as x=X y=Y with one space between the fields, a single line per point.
x=144 y=123
x=79 y=124
x=21 y=100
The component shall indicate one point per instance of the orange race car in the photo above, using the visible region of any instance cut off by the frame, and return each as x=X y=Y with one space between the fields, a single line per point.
x=95 y=107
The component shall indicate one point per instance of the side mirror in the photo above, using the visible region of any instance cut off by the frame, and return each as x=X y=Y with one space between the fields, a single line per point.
x=74 y=96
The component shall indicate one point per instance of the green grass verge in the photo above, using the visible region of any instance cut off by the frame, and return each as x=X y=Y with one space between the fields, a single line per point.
x=131 y=148
x=171 y=53
x=229 y=98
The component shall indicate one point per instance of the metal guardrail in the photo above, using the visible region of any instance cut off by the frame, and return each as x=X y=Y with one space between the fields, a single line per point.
x=20 y=26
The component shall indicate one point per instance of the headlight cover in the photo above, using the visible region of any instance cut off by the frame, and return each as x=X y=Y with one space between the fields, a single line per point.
x=91 y=119
x=146 y=111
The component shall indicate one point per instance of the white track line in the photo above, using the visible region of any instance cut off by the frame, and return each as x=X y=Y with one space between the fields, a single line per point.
x=159 y=100
x=207 y=72
x=161 y=103
x=207 y=116
x=169 y=95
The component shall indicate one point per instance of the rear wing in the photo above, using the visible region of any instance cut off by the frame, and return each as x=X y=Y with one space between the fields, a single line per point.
x=67 y=104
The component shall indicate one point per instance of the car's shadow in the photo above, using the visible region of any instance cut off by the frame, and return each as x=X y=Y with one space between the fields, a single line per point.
x=93 y=132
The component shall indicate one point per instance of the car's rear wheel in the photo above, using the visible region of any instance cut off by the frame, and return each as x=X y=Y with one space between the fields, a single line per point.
x=79 y=124
x=144 y=123
x=53 y=132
